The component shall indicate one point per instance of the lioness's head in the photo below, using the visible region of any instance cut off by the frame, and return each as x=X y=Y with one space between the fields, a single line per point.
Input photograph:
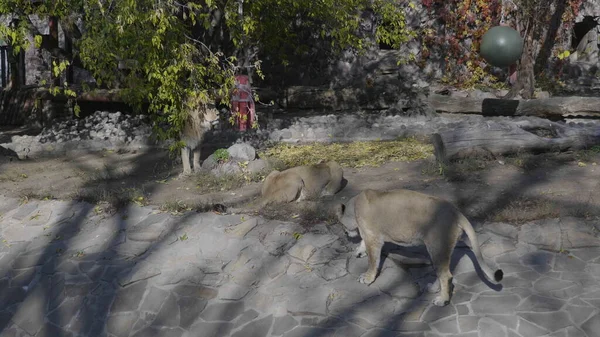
x=345 y=215
x=339 y=210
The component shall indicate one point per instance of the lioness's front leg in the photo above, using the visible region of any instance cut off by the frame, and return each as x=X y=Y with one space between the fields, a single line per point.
x=185 y=158
x=361 y=250
x=374 y=252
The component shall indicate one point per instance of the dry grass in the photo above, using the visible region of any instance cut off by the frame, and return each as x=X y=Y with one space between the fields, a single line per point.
x=526 y=209
x=31 y=195
x=307 y=212
x=116 y=198
x=12 y=176
x=458 y=170
x=355 y=154
x=175 y=207
x=207 y=182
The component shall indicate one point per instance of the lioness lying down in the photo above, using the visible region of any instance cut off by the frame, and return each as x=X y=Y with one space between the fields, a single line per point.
x=301 y=182
x=409 y=218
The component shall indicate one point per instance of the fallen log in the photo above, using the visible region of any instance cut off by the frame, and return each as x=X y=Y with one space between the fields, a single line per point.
x=500 y=138
x=543 y=107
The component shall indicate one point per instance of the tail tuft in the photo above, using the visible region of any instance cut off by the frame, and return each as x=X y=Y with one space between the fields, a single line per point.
x=498 y=275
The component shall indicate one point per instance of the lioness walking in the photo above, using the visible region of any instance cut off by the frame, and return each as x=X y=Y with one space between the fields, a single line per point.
x=409 y=218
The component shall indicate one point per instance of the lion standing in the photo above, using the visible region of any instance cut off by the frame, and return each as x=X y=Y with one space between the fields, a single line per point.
x=198 y=122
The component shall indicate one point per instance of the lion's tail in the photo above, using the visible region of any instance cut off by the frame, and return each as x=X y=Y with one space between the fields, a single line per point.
x=495 y=276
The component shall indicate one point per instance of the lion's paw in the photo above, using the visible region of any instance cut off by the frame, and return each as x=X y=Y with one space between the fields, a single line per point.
x=365 y=278
x=440 y=301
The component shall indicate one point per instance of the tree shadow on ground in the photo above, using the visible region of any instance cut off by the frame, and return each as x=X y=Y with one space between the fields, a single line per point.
x=58 y=266
x=29 y=296
x=537 y=260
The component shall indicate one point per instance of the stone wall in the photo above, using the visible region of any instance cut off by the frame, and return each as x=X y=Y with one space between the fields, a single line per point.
x=116 y=131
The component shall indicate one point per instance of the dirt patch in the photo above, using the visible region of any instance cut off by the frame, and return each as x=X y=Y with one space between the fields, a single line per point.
x=513 y=189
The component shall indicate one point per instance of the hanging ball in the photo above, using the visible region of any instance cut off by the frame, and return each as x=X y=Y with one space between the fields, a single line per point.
x=501 y=46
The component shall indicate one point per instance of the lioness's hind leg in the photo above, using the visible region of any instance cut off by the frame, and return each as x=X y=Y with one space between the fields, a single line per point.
x=361 y=250
x=374 y=253
x=440 y=256
x=302 y=195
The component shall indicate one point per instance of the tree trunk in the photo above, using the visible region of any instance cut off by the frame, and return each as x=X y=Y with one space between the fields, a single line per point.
x=525 y=76
x=493 y=138
x=554 y=107
x=546 y=49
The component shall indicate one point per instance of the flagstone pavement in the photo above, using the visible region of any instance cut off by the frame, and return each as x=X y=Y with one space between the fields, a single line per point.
x=69 y=269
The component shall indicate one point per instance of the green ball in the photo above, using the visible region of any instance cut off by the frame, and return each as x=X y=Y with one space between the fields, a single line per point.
x=501 y=46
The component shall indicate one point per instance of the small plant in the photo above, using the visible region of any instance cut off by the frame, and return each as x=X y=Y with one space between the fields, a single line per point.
x=175 y=207
x=221 y=155
x=183 y=237
x=587 y=154
x=98 y=210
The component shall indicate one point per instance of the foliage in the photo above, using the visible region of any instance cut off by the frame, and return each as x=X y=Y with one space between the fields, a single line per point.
x=355 y=154
x=221 y=155
x=285 y=29
x=465 y=23
x=178 y=55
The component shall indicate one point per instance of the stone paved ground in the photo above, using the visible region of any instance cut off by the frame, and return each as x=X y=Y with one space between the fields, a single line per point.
x=68 y=269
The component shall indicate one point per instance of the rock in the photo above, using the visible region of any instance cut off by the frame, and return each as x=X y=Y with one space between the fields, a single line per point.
x=210 y=163
x=257 y=166
x=257 y=328
x=490 y=328
x=227 y=168
x=545 y=235
x=121 y=324
x=283 y=324
x=592 y=325
x=481 y=94
x=129 y=298
x=141 y=271
x=494 y=304
x=246 y=317
x=227 y=311
x=542 y=94
x=154 y=300
x=241 y=152
x=552 y=321
x=30 y=316
x=242 y=229
x=333 y=270
x=168 y=314
x=149 y=229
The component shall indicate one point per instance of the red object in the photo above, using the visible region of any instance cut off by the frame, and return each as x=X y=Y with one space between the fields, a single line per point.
x=242 y=102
